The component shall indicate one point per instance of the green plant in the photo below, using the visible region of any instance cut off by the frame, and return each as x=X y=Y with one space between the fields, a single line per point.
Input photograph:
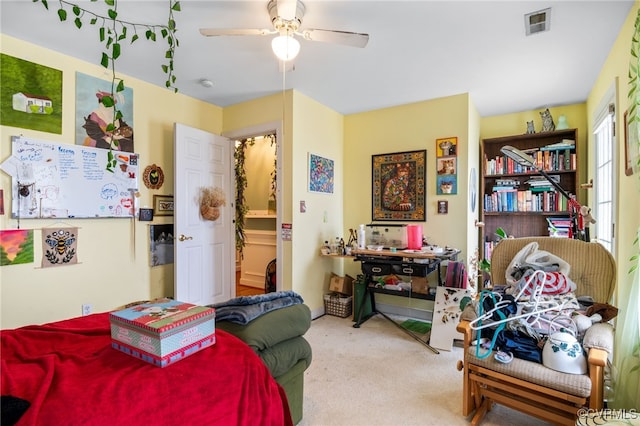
x=112 y=32
x=239 y=156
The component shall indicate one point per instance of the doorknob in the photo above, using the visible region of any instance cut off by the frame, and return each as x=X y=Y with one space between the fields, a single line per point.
x=183 y=237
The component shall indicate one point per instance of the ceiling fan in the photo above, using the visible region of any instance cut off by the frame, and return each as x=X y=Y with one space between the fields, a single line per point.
x=286 y=18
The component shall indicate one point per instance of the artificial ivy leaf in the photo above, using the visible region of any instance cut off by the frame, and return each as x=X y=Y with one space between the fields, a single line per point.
x=119 y=115
x=102 y=35
x=112 y=14
x=165 y=69
x=105 y=60
x=148 y=34
x=176 y=6
x=123 y=35
x=93 y=21
x=62 y=14
x=169 y=54
x=76 y=10
x=167 y=84
x=120 y=87
x=78 y=23
x=134 y=38
x=107 y=101
x=44 y=3
x=164 y=33
x=116 y=50
x=172 y=24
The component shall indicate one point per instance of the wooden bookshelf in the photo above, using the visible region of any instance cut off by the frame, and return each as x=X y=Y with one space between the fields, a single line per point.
x=518 y=200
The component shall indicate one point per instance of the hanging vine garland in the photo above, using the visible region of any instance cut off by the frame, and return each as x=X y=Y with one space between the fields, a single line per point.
x=112 y=31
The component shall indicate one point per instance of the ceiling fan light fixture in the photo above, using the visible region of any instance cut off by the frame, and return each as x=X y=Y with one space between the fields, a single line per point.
x=285 y=47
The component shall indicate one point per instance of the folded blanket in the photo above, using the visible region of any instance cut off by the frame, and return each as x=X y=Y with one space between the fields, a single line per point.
x=245 y=309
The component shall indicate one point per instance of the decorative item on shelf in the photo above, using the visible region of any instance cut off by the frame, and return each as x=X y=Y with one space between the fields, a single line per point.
x=153 y=177
x=163 y=205
x=210 y=201
x=562 y=123
x=547 y=121
x=530 y=128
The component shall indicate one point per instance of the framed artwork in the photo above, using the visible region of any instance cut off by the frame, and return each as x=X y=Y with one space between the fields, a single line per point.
x=91 y=113
x=163 y=205
x=161 y=244
x=631 y=146
x=321 y=174
x=399 y=186
x=443 y=207
x=446 y=147
x=31 y=95
x=153 y=177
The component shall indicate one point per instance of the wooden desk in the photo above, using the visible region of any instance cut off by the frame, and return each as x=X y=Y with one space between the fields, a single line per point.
x=401 y=262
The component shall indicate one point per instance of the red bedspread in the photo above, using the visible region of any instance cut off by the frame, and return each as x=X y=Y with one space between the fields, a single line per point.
x=70 y=374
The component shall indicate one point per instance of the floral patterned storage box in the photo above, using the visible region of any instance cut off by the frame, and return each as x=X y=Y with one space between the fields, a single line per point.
x=162 y=331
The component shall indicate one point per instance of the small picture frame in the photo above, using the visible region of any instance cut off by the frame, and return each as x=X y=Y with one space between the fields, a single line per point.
x=145 y=215
x=443 y=207
x=163 y=205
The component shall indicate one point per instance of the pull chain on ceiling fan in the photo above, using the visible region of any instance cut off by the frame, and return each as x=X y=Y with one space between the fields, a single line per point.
x=286 y=18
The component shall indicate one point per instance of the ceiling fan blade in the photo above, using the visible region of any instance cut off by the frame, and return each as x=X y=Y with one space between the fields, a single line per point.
x=338 y=37
x=287 y=9
x=213 y=32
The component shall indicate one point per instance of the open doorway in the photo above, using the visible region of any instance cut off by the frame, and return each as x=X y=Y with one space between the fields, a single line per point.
x=256 y=177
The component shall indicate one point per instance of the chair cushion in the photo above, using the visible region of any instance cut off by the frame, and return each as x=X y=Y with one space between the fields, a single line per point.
x=574 y=384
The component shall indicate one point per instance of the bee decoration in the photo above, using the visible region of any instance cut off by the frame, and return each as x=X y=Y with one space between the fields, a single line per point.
x=60 y=241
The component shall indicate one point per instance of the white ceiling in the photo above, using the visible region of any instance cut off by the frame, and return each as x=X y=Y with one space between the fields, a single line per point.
x=418 y=50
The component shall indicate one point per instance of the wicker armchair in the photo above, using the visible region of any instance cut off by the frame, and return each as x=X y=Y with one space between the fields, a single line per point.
x=530 y=387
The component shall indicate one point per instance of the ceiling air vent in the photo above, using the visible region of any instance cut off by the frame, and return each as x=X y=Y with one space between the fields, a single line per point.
x=537 y=22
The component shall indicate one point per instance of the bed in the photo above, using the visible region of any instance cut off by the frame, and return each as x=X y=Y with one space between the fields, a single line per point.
x=70 y=375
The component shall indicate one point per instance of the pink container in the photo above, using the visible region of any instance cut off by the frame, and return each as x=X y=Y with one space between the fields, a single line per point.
x=414 y=237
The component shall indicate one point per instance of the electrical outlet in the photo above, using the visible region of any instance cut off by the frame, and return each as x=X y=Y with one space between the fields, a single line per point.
x=86 y=309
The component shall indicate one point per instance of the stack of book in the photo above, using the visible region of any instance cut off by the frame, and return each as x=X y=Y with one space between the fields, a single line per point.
x=559 y=226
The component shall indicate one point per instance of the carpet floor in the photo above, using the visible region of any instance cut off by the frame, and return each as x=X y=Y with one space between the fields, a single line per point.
x=378 y=375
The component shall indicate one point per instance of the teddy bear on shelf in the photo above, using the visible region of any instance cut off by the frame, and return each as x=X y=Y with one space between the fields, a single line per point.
x=585 y=212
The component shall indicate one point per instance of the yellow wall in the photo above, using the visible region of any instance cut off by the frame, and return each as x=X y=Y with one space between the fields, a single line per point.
x=409 y=127
x=113 y=253
x=616 y=68
x=114 y=256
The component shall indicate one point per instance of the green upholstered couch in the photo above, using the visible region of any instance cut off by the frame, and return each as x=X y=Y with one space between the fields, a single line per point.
x=277 y=338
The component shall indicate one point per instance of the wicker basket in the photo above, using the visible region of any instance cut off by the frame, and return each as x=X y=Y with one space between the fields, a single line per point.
x=209 y=212
x=338 y=305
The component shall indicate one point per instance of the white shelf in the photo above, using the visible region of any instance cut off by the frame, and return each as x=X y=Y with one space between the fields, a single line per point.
x=260 y=214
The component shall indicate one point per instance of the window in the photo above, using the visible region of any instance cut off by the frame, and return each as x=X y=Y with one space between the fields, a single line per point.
x=604 y=181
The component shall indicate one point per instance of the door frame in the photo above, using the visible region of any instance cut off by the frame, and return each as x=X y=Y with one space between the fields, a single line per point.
x=250 y=132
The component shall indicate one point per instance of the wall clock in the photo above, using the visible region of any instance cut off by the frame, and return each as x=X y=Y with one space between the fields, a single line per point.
x=153 y=177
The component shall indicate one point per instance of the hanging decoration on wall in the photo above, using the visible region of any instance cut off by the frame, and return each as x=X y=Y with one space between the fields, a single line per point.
x=59 y=246
x=16 y=246
x=446 y=166
x=210 y=200
x=94 y=114
x=161 y=244
x=321 y=174
x=153 y=177
x=398 y=186
x=32 y=95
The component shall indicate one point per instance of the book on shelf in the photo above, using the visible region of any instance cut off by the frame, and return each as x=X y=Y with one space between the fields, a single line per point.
x=562 y=145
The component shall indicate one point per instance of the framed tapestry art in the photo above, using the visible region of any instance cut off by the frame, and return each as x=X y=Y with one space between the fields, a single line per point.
x=399 y=186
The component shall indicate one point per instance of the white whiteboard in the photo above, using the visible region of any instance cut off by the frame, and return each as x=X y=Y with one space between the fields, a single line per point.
x=52 y=180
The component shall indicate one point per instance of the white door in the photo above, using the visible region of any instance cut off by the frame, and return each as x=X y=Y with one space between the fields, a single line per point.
x=204 y=249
